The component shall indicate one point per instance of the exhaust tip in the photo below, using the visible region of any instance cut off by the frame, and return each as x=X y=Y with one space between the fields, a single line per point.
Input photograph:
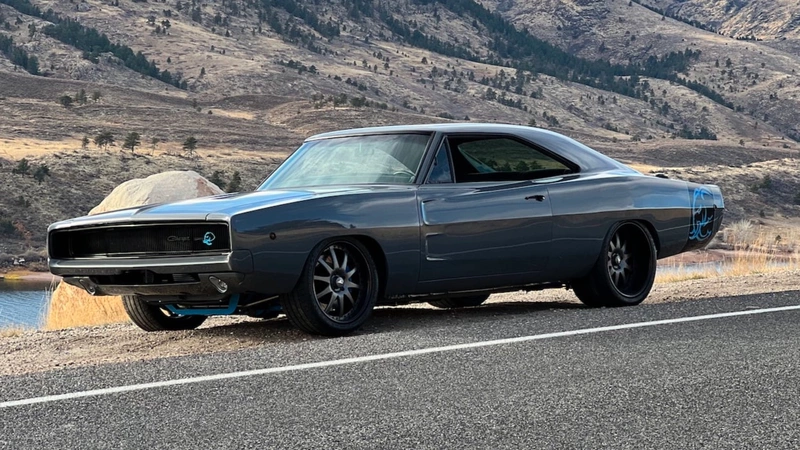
x=88 y=286
x=220 y=285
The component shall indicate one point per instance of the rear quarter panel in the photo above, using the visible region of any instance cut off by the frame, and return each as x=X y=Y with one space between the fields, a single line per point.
x=586 y=206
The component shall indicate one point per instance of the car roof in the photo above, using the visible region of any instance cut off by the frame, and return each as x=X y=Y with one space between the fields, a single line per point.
x=433 y=127
x=585 y=157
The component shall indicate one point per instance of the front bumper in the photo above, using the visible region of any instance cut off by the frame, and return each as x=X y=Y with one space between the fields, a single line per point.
x=201 y=289
x=189 y=276
x=236 y=261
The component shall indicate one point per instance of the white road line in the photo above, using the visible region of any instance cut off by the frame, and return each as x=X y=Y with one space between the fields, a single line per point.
x=383 y=356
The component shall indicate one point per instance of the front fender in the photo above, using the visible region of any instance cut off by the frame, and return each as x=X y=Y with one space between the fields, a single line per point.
x=281 y=238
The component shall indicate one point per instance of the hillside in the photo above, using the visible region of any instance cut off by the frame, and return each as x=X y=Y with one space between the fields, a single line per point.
x=775 y=22
x=250 y=79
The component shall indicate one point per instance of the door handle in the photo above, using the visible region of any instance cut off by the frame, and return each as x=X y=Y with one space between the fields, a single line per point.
x=537 y=197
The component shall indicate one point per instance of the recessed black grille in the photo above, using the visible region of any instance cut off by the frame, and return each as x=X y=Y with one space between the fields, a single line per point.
x=138 y=240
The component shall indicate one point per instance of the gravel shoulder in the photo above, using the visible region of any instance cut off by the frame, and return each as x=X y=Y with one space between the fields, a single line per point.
x=41 y=351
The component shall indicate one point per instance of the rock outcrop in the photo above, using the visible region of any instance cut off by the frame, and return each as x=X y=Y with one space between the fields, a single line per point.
x=163 y=187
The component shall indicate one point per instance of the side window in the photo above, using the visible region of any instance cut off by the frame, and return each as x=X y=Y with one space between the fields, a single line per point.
x=441 y=171
x=501 y=159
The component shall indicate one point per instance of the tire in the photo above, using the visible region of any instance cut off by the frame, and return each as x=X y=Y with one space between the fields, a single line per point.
x=459 y=302
x=152 y=318
x=337 y=289
x=625 y=270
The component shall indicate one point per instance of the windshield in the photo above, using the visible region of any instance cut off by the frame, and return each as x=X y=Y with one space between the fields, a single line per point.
x=393 y=158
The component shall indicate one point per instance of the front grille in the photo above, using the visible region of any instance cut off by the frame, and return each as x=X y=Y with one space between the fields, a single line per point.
x=139 y=240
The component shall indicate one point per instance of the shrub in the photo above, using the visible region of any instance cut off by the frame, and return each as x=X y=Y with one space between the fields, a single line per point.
x=23 y=168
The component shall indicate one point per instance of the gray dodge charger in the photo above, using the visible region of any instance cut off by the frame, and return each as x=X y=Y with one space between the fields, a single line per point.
x=443 y=213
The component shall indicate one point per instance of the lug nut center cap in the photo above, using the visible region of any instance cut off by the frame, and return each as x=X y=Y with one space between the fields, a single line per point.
x=338 y=282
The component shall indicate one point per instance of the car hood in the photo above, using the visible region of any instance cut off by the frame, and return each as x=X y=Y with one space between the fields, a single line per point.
x=219 y=207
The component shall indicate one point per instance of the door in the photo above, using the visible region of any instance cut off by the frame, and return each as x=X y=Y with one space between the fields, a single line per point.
x=484 y=221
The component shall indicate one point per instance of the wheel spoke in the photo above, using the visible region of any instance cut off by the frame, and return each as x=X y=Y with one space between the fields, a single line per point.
x=323 y=279
x=325 y=291
x=350 y=296
x=335 y=260
x=331 y=303
x=350 y=285
x=350 y=274
x=344 y=262
x=321 y=260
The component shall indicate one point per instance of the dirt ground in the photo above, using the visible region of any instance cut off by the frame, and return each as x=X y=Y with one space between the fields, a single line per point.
x=39 y=351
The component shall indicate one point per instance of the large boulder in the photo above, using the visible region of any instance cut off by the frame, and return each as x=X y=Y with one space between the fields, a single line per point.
x=163 y=187
x=74 y=307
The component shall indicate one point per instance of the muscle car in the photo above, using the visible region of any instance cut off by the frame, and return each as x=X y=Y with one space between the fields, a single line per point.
x=441 y=213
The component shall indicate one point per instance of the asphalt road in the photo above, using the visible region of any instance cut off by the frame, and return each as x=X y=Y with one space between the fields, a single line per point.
x=714 y=382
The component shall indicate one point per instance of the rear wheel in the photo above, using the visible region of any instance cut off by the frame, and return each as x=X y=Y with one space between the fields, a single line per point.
x=153 y=318
x=337 y=289
x=624 y=272
x=459 y=302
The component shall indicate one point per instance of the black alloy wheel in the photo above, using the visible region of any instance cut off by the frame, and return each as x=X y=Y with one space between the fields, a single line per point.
x=624 y=273
x=337 y=290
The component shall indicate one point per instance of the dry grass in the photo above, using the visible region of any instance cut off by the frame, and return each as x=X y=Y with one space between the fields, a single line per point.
x=754 y=252
x=643 y=168
x=72 y=307
x=16 y=148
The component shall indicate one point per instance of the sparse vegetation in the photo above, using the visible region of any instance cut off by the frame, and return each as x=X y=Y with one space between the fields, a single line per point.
x=91 y=42
x=235 y=184
x=190 y=145
x=216 y=178
x=18 y=55
x=23 y=167
x=65 y=101
x=132 y=140
x=104 y=139
x=41 y=173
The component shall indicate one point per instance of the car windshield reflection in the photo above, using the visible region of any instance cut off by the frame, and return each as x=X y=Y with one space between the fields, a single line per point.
x=378 y=159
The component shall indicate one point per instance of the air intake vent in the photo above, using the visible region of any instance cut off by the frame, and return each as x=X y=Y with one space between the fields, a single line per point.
x=140 y=240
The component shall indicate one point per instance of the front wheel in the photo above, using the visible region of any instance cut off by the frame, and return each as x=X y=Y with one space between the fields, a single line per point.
x=337 y=289
x=625 y=270
x=152 y=318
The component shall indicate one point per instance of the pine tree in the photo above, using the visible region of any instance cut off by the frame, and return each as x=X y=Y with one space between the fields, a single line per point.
x=216 y=178
x=132 y=140
x=190 y=145
x=236 y=182
x=41 y=172
x=104 y=139
x=65 y=101
x=23 y=167
x=80 y=97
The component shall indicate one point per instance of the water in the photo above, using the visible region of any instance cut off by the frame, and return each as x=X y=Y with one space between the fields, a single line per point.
x=22 y=303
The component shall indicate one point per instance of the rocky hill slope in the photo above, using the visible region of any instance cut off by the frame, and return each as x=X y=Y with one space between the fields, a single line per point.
x=655 y=82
